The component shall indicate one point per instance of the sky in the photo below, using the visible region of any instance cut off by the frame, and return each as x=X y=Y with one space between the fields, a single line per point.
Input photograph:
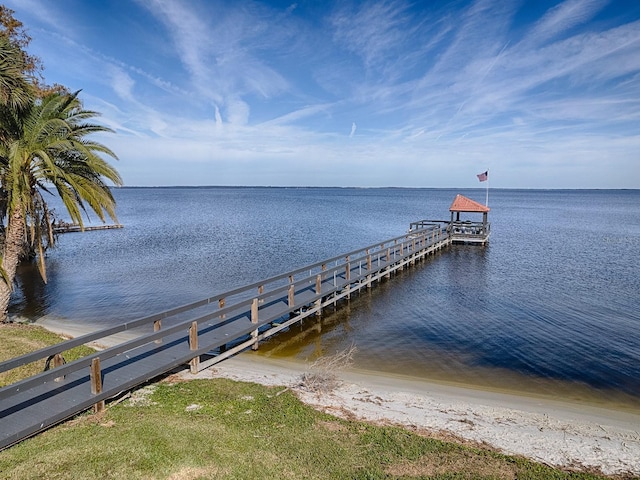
x=542 y=94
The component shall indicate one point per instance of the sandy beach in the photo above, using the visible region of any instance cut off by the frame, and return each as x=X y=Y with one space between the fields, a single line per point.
x=555 y=433
x=552 y=432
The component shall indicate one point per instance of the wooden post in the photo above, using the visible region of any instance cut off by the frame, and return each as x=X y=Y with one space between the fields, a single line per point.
x=193 y=336
x=221 y=304
x=254 y=311
x=347 y=275
x=388 y=259
x=318 y=292
x=335 y=284
x=291 y=296
x=157 y=325
x=96 y=383
x=413 y=250
x=368 y=269
x=58 y=361
x=254 y=319
x=347 y=270
x=193 y=345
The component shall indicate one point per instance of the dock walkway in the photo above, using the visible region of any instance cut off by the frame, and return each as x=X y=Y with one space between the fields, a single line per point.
x=200 y=334
x=72 y=227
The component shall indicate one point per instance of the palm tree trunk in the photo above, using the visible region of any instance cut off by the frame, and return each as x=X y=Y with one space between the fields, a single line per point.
x=14 y=241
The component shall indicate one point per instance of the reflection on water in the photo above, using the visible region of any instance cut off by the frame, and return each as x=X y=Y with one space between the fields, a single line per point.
x=428 y=351
x=431 y=340
x=550 y=305
x=31 y=288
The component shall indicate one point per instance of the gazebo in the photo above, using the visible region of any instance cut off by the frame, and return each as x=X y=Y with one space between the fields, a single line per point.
x=467 y=231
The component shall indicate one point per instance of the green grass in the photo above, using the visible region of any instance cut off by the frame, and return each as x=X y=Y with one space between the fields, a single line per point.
x=232 y=430
x=16 y=340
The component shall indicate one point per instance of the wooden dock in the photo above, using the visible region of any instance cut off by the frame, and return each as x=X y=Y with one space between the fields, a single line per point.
x=200 y=334
x=68 y=228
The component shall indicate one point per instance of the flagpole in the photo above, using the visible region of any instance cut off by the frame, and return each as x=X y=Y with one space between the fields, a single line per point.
x=486 y=202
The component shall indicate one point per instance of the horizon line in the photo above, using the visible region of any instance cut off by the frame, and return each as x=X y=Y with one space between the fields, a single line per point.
x=371 y=188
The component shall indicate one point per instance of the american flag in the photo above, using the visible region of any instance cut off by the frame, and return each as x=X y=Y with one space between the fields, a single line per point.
x=483 y=177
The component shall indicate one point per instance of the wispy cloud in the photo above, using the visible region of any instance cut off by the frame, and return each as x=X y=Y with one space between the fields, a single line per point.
x=265 y=85
x=218 y=50
x=563 y=17
x=300 y=114
x=372 y=30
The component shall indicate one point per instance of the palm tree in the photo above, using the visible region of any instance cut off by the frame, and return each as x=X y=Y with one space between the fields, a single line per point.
x=46 y=149
x=16 y=92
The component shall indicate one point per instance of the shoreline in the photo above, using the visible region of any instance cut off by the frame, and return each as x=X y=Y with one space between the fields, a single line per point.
x=554 y=432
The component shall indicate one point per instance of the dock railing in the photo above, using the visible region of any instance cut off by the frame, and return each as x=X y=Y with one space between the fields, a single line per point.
x=257 y=310
x=429 y=224
x=200 y=333
x=469 y=232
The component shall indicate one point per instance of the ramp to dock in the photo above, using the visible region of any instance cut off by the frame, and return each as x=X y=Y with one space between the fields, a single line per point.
x=199 y=334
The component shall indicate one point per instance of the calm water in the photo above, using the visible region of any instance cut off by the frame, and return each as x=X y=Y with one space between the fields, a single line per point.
x=551 y=306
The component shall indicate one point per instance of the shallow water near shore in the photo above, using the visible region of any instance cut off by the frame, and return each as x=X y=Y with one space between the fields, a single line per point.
x=550 y=306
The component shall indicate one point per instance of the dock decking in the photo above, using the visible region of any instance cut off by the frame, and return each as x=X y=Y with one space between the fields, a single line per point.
x=68 y=228
x=200 y=334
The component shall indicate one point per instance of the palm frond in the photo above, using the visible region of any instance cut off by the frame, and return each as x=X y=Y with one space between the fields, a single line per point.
x=16 y=91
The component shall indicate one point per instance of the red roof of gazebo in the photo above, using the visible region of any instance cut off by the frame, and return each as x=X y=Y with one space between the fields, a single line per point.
x=464 y=204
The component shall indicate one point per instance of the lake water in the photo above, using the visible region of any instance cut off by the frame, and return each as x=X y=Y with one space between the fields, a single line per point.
x=551 y=306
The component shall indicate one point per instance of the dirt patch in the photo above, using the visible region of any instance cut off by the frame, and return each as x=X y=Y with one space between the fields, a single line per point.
x=192 y=473
x=332 y=426
x=142 y=397
x=461 y=464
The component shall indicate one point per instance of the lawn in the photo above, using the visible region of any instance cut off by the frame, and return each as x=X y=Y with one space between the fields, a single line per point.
x=221 y=429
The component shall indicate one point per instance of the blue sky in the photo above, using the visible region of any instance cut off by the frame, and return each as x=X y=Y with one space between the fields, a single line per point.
x=543 y=94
